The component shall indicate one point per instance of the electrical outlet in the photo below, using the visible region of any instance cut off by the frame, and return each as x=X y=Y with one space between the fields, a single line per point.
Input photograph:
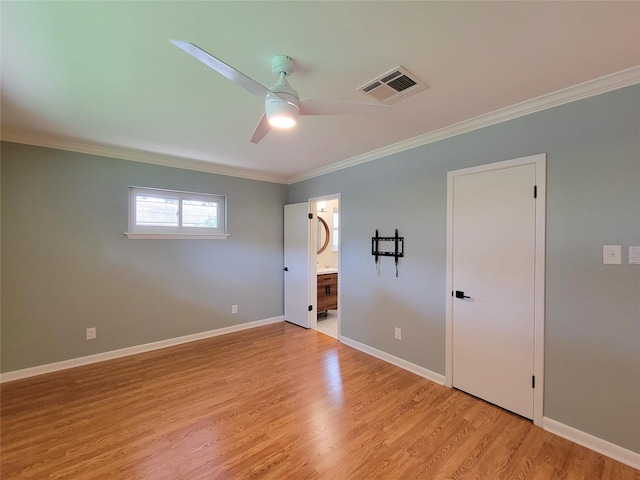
x=612 y=254
x=234 y=308
x=398 y=333
x=91 y=333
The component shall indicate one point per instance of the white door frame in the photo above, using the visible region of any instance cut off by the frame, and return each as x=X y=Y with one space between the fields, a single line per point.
x=539 y=284
x=313 y=244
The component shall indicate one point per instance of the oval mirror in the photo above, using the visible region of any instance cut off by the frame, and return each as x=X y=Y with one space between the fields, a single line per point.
x=323 y=235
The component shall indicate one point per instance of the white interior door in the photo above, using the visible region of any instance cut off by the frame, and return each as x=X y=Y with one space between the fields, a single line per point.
x=297 y=264
x=493 y=255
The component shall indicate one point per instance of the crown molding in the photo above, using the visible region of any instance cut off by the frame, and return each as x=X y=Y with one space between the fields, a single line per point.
x=139 y=156
x=591 y=88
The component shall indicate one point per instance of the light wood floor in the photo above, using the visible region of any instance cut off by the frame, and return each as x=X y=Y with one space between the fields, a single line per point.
x=274 y=402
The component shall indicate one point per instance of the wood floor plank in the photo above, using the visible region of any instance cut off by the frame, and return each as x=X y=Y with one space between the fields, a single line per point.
x=274 y=402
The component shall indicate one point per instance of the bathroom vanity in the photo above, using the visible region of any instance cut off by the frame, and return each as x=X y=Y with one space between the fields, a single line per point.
x=327 y=290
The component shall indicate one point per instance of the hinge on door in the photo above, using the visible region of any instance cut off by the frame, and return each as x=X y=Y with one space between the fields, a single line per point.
x=535 y=191
x=533 y=381
x=310 y=308
x=311 y=216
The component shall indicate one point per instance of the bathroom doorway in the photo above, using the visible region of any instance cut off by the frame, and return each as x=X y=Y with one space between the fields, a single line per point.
x=328 y=264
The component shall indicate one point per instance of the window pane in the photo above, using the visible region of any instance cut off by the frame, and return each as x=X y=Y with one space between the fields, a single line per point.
x=172 y=212
x=199 y=214
x=156 y=211
x=335 y=243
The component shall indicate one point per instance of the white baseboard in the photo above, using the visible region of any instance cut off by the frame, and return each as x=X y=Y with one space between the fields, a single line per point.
x=398 y=362
x=123 y=352
x=596 y=444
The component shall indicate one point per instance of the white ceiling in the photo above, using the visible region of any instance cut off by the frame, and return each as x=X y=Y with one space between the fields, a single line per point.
x=103 y=75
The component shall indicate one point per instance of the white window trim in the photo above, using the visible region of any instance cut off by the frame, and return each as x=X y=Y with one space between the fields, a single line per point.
x=177 y=233
x=175 y=236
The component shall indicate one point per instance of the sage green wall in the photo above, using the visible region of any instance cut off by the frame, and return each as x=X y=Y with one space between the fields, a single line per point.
x=592 y=356
x=66 y=264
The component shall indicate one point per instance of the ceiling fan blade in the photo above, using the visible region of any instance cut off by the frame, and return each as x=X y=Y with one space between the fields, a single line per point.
x=261 y=130
x=309 y=106
x=222 y=68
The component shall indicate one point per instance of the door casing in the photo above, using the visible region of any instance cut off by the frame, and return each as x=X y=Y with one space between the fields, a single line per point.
x=539 y=284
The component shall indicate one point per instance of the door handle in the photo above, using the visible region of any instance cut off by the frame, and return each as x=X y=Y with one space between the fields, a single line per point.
x=327 y=289
x=286 y=269
x=460 y=294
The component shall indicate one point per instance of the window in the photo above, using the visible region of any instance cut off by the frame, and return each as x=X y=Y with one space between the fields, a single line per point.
x=156 y=213
x=336 y=228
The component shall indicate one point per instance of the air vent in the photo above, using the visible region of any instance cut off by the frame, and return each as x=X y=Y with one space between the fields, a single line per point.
x=392 y=86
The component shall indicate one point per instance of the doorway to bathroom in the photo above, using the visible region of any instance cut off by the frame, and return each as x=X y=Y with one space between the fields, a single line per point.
x=327 y=241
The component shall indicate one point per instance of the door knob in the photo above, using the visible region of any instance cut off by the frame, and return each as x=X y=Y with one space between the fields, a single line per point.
x=460 y=294
x=286 y=269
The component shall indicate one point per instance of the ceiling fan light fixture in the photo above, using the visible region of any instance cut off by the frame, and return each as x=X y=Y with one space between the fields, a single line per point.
x=281 y=103
x=281 y=114
x=282 y=122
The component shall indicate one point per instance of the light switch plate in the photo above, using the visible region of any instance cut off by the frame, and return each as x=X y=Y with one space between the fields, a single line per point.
x=634 y=255
x=612 y=254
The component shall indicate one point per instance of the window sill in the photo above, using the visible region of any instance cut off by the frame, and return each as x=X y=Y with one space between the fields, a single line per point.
x=176 y=236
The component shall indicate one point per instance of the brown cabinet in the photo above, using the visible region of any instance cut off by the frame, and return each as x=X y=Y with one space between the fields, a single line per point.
x=327 y=292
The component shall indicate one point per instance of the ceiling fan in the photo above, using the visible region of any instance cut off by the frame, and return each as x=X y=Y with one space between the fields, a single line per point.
x=282 y=104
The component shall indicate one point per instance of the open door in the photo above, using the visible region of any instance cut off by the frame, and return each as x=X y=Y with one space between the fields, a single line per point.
x=298 y=259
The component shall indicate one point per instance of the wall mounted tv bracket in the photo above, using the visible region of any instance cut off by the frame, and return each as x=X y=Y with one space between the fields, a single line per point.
x=378 y=250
